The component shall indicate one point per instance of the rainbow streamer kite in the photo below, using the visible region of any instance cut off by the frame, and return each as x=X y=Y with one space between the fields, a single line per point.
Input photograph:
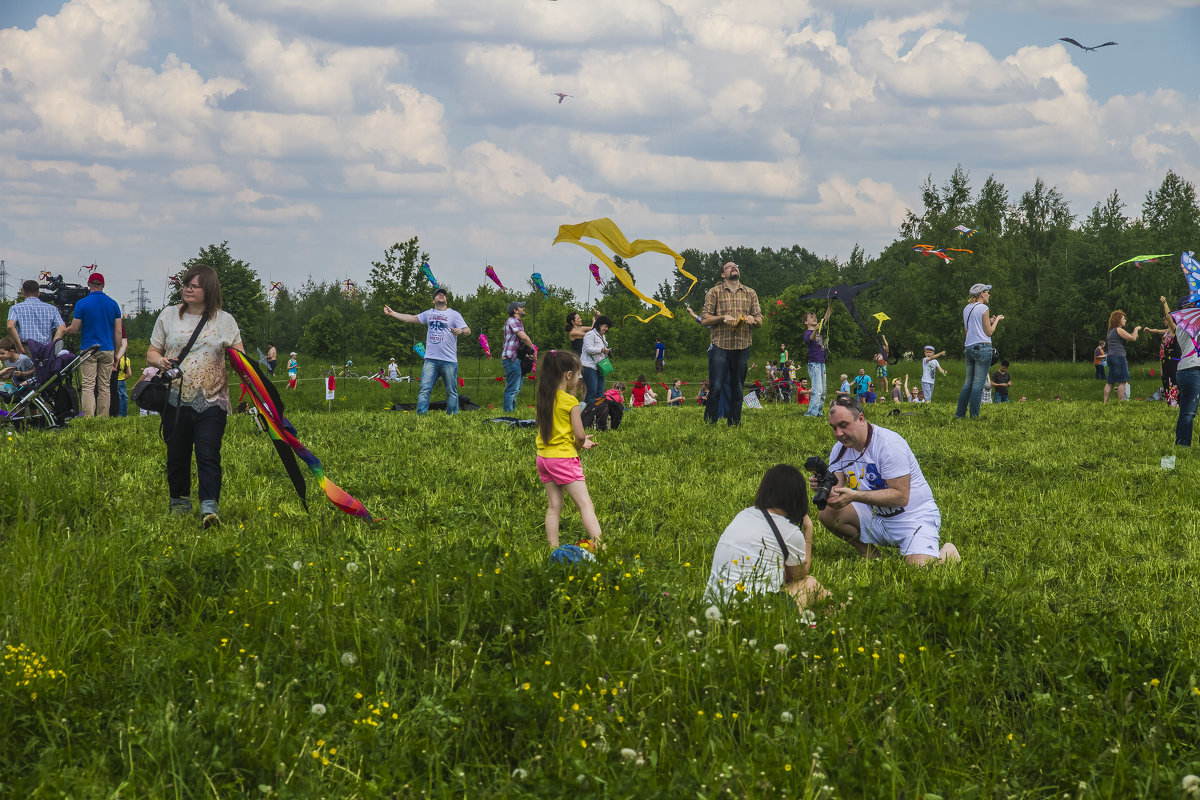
x=539 y=283
x=428 y=273
x=606 y=232
x=283 y=435
x=491 y=273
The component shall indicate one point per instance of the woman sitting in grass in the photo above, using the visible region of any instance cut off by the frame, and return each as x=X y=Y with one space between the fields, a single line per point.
x=560 y=438
x=768 y=547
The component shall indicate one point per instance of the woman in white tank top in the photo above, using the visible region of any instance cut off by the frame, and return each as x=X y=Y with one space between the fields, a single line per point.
x=979 y=326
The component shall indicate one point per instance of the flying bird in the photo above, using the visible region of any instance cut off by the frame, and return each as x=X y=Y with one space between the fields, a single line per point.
x=562 y=96
x=1077 y=44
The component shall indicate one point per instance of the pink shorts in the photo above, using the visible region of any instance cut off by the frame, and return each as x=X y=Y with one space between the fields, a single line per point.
x=559 y=470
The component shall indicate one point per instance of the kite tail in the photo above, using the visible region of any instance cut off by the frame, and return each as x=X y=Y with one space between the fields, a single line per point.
x=337 y=495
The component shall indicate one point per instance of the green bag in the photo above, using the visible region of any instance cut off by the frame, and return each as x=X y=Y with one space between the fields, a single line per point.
x=604 y=367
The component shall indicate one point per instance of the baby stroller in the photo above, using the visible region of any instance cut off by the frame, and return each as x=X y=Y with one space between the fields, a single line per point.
x=47 y=399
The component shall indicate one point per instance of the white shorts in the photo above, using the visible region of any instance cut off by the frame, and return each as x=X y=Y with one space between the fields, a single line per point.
x=913 y=537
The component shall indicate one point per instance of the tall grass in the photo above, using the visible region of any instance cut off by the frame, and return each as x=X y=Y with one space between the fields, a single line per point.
x=437 y=653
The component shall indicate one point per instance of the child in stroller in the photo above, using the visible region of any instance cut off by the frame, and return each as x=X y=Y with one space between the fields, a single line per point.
x=47 y=399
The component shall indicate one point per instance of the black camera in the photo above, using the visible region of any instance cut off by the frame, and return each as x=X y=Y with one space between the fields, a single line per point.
x=826 y=480
x=61 y=295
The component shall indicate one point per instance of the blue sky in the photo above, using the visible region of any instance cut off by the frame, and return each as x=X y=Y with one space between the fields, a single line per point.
x=312 y=134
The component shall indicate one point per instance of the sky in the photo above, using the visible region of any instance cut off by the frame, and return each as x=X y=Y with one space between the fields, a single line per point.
x=312 y=134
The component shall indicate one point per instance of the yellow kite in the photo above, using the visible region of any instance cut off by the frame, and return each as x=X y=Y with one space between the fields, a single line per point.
x=882 y=317
x=606 y=232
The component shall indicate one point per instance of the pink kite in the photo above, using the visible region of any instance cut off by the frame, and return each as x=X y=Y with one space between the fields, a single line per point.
x=595 y=268
x=483 y=343
x=491 y=273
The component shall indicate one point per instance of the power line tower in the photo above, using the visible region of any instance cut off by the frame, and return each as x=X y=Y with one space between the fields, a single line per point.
x=141 y=297
x=3 y=281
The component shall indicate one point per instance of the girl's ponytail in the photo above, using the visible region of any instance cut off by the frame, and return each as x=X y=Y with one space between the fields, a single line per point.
x=555 y=364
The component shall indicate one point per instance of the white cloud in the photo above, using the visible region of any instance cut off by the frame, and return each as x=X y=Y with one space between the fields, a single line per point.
x=201 y=178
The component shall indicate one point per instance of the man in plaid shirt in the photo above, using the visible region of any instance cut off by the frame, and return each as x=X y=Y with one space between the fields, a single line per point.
x=33 y=319
x=730 y=311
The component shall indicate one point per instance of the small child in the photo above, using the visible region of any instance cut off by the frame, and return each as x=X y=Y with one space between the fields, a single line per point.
x=14 y=367
x=616 y=393
x=675 y=396
x=559 y=440
x=638 y=392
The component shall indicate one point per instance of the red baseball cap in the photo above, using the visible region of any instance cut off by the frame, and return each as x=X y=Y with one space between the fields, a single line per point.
x=96 y=277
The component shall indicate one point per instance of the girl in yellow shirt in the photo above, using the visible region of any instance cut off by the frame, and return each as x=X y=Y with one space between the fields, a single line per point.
x=559 y=440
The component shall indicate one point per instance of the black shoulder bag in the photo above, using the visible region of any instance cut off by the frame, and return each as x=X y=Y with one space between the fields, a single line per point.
x=151 y=394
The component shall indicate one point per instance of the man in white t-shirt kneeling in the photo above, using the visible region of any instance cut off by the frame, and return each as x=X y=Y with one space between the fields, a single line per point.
x=881 y=498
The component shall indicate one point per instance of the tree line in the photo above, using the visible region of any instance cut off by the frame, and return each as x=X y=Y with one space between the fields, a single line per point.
x=1050 y=271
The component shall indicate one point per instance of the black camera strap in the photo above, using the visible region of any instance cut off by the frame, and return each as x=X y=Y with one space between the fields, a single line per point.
x=778 y=535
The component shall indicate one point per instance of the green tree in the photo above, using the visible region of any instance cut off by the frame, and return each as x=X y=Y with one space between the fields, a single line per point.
x=396 y=281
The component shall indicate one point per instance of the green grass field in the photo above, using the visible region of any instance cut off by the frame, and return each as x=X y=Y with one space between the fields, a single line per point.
x=437 y=653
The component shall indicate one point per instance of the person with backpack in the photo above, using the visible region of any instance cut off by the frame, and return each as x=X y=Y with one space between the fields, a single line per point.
x=515 y=338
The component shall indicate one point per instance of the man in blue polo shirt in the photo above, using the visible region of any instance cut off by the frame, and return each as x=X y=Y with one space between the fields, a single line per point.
x=98 y=317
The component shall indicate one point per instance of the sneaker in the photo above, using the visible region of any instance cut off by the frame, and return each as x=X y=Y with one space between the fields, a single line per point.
x=211 y=521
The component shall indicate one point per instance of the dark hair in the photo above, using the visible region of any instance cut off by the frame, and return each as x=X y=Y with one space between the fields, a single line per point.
x=642 y=379
x=7 y=343
x=30 y=288
x=850 y=403
x=601 y=320
x=271 y=342
x=555 y=364
x=571 y=315
x=210 y=283
x=1004 y=363
x=784 y=487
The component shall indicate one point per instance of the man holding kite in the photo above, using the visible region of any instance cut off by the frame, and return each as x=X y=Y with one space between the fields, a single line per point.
x=817 y=355
x=443 y=327
x=730 y=311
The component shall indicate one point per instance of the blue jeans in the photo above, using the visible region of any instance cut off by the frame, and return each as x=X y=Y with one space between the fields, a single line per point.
x=726 y=377
x=979 y=361
x=1188 y=381
x=594 y=381
x=816 y=385
x=122 y=400
x=430 y=372
x=512 y=385
x=1000 y=398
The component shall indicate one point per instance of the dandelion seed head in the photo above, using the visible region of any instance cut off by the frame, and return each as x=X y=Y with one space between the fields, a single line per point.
x=318 y=709
x=296 y=565
x=781 y=648
x=786 y=717
x=349 y=659
x=713 y=613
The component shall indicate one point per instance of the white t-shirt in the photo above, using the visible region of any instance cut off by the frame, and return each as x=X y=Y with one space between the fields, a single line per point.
x=748 y=555
x=393 y=372
x=440 y=343
x=888 y=456
x=973 y=315
x=929 y=370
